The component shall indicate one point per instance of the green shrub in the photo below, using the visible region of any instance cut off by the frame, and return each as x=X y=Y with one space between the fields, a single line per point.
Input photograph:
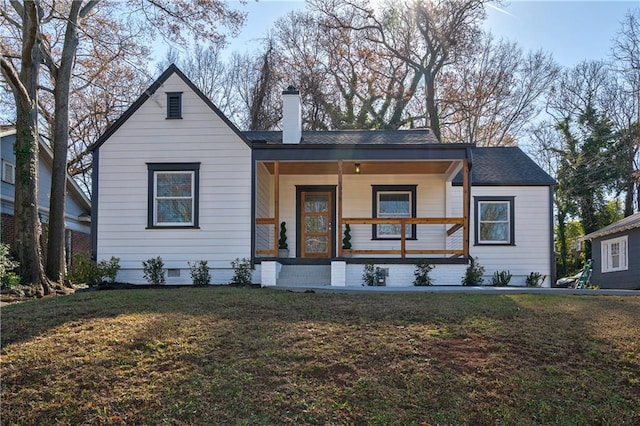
x=242 y=271
x=473 y=274
x=154 y=270
x=200 y=273
x=8 y=278
x=282 y=241
x=421 y=274
x=535 y=279
x=501 y=278
x=84 y=270
x=109 y=269
x=372 y=275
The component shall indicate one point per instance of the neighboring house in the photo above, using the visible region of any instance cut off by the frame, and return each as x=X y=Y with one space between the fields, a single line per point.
x=77 y=205
x=174 y=178
x=615 y=250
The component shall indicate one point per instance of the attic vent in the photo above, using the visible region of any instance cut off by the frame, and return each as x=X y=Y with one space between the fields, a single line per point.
x=172 y=273
x=8 y=172
x=174 y=105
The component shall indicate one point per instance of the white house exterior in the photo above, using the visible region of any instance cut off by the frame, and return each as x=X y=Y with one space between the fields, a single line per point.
x=174 y=178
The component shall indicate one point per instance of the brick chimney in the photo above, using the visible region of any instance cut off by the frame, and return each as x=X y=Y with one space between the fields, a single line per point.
x=291 y=116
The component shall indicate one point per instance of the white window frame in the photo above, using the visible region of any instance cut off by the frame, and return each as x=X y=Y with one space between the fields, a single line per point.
x=10 y=177
x=607 y=251
x=156 y=198
x=508 y=222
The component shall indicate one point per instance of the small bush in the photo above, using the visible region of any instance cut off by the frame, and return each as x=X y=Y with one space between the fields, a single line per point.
x=154 y=270
x=421 y=274
x=84 y=271
x=200 y=273
x=8 y=278
x=109 y=269
x=242 y=271
x=473 y=274
x=372 y=275
x=501 y=278
x=535 y=279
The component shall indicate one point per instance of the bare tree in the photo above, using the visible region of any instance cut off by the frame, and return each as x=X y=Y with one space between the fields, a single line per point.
x=426 y=36
x=24 y=85
x=493 y=91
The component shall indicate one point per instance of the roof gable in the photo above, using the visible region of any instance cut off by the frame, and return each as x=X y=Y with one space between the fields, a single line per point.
x=505 y=166
x=626 y=224
x=173 y=69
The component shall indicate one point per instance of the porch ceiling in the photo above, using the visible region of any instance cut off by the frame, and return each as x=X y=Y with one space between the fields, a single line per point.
x=366 y=167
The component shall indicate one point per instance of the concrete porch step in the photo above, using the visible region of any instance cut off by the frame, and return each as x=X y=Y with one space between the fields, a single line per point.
x=304 y=275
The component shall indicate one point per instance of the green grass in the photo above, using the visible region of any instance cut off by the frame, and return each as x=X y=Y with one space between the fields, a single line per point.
x=254 y=356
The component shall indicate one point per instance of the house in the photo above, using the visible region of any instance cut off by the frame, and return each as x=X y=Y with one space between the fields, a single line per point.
x=615 y=251
x=77 y=205
x=174 y=178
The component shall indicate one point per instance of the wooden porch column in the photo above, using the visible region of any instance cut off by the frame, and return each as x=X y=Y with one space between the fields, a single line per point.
x=465 y=207
x=338 y=225
x=276 y=206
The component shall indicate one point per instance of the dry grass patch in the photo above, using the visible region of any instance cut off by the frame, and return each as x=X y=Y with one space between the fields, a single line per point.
x=250 y=356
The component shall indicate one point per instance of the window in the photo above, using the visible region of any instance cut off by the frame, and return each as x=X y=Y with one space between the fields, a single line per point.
x=614 y=254
x=394 y=201
x=174 y=105
x=8 y=172
x=173 y=195
x=494 y=220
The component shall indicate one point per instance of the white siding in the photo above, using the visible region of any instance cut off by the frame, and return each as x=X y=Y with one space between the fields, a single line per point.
x=532 y=250
x=264 y=207
x=225 y=188
x=357 y=203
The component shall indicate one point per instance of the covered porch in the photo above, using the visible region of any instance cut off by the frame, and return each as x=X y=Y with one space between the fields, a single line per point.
x=361 y=204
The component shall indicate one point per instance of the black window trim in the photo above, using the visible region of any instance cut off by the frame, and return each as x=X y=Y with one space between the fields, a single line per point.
x=476 y=214
x=178 y=96
x=374 y=209
x=173 y=167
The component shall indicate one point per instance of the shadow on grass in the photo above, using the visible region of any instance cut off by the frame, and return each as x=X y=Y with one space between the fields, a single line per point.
x=257 y=356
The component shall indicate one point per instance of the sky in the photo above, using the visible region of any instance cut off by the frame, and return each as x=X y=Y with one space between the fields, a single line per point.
x=571 y=30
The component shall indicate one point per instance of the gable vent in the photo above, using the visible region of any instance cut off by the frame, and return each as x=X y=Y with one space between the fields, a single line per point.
x=174 y=105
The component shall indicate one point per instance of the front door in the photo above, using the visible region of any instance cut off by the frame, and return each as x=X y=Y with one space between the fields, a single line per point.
x=315 y=227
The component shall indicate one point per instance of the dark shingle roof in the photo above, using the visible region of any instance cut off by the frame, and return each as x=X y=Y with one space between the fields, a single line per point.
x=504 y=166
x=378 y=137
x=629 y=222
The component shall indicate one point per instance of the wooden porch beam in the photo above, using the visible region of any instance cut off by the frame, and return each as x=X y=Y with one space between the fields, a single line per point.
x=276 y=206
x=466 y=200
x=339 y=219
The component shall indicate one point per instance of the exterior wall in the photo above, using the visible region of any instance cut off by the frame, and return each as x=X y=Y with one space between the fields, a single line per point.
x=629 y=279
x=402 y=275
x=532 y=233
x=201 y=136
x=357 y=202
x=264 y=207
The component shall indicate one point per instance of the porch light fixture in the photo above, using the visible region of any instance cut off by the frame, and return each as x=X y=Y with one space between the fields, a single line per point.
x=357 y=167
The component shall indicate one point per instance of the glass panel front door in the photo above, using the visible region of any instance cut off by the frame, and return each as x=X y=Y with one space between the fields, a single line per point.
x=315 y=215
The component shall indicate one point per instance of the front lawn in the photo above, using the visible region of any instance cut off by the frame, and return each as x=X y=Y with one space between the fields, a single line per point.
x=254 y=356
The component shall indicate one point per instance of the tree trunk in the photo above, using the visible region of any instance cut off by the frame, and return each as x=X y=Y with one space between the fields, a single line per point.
x=27 y=229
x=430 y=99
x=55 y=267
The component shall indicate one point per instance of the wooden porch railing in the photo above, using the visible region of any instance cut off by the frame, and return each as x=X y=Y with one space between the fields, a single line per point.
x=457 y=222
